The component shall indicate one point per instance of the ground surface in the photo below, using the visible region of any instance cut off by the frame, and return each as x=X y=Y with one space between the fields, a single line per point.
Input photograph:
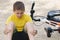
x=41 y=8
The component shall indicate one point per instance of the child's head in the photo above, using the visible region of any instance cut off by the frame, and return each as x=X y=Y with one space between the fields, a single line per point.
x=19 y=8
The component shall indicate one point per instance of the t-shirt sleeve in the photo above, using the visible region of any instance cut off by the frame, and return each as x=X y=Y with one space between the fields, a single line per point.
x=28 y=19
x=9 y=19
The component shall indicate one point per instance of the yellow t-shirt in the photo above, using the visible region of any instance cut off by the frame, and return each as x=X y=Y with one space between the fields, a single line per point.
x=19 y=22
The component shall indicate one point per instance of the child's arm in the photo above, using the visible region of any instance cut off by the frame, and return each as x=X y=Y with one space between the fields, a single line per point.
x=30 y=30
x=8 y=31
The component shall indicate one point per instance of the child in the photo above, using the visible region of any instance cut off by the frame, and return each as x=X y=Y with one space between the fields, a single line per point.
x=21 y=22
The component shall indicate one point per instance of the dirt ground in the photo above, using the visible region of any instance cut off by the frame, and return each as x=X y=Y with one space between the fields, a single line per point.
x=42 y=7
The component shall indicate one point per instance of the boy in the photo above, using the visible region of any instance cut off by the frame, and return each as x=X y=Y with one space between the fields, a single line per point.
x=21 y=22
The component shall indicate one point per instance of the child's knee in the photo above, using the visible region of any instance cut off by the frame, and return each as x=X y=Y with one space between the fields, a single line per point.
x=34 y=32
x=9 y=27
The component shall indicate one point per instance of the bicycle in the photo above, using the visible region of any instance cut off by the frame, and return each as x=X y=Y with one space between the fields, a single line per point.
x=53 y=18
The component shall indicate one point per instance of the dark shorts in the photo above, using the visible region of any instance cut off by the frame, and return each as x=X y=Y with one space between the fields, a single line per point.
x=20 y=36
